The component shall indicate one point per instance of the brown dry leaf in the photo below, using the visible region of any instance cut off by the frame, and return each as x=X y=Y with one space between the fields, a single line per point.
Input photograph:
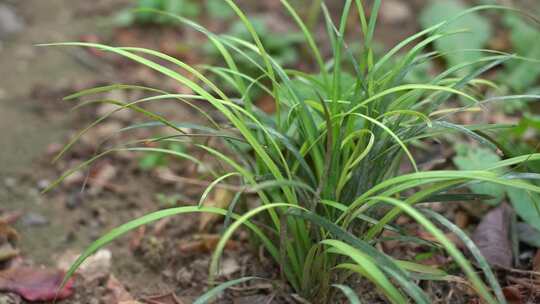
x=450 y=236
x=205 y=243
x=267 y=104
x=35 y=284
x=513 y=294
x=493 y=238
x=221 y=199
x=462 y=219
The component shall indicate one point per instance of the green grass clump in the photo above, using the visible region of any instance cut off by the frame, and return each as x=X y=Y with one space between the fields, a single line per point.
x=326 y=166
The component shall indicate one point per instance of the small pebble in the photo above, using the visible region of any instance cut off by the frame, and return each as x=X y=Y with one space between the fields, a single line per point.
x=42 y=184
x=10 y=22
x=10 y=182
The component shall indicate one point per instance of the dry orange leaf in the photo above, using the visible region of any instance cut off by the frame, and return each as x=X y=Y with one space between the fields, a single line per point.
x=220 y=199
x=205 y=243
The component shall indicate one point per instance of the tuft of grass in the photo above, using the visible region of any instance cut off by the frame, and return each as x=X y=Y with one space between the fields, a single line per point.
x=326 y=165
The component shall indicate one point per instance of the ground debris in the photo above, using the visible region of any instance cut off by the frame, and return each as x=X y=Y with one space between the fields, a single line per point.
x=492 y=236
x=35 y=284
x=221 y=199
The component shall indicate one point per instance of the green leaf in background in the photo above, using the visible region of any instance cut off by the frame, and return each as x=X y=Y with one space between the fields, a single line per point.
x=521 y=75
x=153 y=160
x=527 y=206
x=479 y=30
x=183 y=8
x=147 y=16
x=219 y=9
x=473 y=158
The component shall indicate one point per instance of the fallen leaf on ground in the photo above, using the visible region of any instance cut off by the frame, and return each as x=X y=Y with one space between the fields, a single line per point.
x=205 y=243
x=492 y=236
x=221 y=199
x=450 y=236
x=267 y=104
x=462 y=219
x=35 y=284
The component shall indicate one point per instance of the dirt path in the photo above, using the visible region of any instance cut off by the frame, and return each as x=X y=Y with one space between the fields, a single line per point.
x=28 y=126
x=25 y=132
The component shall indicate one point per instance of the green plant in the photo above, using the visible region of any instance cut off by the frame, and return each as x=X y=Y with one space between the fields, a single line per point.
x=153 y=160
x=326 y=166
x=186 y=8
x=518 y=76
x=282 y=47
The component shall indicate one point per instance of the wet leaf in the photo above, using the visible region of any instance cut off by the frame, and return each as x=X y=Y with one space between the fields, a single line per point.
x=493 y=237
x=35 y=284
